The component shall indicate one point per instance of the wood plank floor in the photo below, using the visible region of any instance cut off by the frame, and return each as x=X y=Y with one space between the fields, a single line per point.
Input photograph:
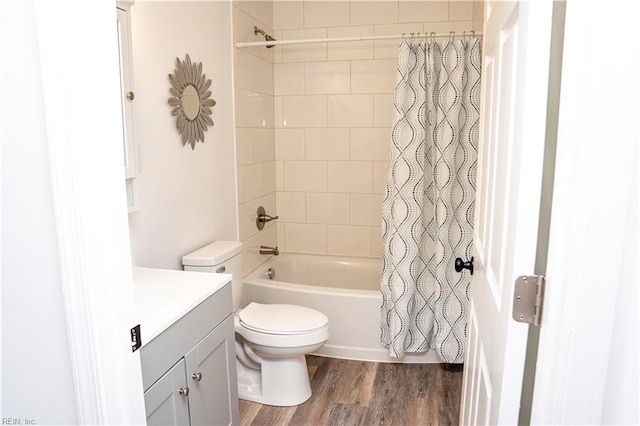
x=366 y=393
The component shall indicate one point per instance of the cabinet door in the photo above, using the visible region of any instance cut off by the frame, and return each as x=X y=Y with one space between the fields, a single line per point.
x=126 y=87
x=164 y=402
x=211 y=374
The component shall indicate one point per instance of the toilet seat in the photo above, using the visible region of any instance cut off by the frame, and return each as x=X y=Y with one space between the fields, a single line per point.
x=296 y=326
x=281 y=319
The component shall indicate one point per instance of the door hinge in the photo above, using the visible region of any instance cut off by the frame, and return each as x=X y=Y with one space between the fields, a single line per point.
x=136 y=338
x=528 y=298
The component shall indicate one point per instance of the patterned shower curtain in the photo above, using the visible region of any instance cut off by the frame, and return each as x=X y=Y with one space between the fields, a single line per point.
x=428 y=207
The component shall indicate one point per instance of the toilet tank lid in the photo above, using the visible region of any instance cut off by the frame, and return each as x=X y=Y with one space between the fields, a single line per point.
x=212 y=254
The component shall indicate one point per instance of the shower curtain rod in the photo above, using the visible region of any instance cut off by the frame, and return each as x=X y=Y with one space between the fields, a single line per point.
x=356 y=38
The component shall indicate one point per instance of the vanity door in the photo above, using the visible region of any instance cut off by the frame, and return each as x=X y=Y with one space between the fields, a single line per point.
x=166 y=401
x=211 y=375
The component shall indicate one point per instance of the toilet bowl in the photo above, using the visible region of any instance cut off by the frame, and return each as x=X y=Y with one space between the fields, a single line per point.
x=271 y=339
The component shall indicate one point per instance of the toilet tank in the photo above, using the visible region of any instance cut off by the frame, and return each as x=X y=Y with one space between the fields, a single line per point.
x=223 y=257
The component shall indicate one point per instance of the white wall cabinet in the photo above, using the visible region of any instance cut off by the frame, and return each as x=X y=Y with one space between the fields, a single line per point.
x=127 y=96
x=189 y=370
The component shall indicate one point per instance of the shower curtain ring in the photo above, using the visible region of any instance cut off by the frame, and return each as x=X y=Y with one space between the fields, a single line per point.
x=452 y=34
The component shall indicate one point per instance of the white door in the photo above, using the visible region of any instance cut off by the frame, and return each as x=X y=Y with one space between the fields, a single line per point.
x=513 y=111
x=587 y=370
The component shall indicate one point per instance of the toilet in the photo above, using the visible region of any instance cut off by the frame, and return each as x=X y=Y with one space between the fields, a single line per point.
x=271 y=339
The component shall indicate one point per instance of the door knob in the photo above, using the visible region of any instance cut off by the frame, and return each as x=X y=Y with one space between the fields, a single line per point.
x=184 y=391
x=460 y=265
x=196 y=376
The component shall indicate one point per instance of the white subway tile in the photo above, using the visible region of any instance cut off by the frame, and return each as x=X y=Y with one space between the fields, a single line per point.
x=290 y=144
x=263 y=145
x=374 y=12
x=287 y=15
x=254 y=109
x=289 y=79
x=261 y=10
x=254 y=186
x=376 y=242
x=350 y=176
x=370 y=144
x=350 y=110
x=327 y=144
x=305 y=238
x=304 y=111
x=446 y=27
x=325 y=13
x=327 y=77
x=304 y=52
x=291 y=207
x=374 y=76
x=366 y=209
x=269 y=176
x=305 y=176
x=383 y=110
x=279 y=175
x=253 y=73
x=426 y=10
x=237 y=100
x=347 y=49
x=380 y=170
x=251 y=247
x=247 y=214
x=281 y=240
x=240 y=176
x=460 y=10
x=328 y=208
x=269 y=113
x=349 y=240
x=277 y=112
x=244 y=146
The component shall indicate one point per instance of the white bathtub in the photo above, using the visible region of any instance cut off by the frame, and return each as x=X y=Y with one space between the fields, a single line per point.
x=345 y=289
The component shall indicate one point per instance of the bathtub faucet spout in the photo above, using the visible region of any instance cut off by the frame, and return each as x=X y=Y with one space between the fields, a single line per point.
x=269 y=250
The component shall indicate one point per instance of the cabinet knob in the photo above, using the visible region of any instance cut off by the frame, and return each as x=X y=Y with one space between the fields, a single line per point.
x=130 y=96
x=196 y=376
x=184 y=391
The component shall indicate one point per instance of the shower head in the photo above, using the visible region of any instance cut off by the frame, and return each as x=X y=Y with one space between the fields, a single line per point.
x=267 y=37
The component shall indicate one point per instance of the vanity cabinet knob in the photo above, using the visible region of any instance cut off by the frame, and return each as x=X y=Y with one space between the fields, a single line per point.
x=196 y=376
x=184 y=391
x=130 y=96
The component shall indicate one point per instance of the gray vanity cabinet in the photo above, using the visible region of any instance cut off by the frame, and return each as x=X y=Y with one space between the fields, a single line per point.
x=189 y=370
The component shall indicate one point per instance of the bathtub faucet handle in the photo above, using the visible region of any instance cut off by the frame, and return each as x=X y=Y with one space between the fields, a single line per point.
x=262 y=217
x=269 y=250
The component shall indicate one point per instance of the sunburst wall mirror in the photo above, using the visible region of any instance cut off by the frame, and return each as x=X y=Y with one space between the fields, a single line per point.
x=191 y=101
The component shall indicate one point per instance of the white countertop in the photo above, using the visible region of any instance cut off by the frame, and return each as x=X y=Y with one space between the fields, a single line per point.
x=163 y=296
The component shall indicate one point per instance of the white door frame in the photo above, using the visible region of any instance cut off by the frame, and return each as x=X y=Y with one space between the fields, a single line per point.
x=80 y=79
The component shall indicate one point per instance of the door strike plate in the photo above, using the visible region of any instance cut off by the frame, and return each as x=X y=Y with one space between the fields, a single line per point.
x=136 y=338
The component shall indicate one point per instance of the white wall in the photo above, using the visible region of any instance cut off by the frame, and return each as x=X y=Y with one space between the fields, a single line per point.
x=186 y=198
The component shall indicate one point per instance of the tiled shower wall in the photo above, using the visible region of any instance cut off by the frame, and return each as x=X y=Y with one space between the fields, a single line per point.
x=333 y=109
x=255 y=143
x=313 y=121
